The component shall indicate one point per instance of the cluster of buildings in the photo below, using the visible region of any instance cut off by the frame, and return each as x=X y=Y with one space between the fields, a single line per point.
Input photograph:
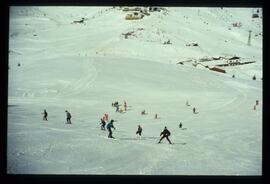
x=135 y=13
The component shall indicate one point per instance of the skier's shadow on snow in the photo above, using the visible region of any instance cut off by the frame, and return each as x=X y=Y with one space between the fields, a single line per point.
x=144 y=114
x=129 y=107
x=122 y=112
x=137 y=139
x=150 y=137
x=129 y=139
x=181 y=143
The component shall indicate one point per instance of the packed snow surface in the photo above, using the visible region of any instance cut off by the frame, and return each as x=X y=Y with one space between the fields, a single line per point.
x=57 y=65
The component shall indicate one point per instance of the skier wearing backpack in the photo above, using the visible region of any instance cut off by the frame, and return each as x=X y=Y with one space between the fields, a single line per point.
x=68 y=117
x=165 y=134
x=109 y=128
x=139 y=131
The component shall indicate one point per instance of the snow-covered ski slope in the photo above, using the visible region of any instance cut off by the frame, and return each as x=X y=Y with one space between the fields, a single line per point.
x=83 y=68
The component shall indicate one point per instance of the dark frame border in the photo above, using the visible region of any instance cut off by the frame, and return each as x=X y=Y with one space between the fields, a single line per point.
x=119 y=178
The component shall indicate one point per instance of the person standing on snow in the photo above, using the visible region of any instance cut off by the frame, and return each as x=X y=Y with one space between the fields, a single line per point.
x=103 y=123
x=117 y=106
x=125 y=105
x=68 y=117
x=45 y=115
x=106 y=117
x=139 y=131
x=165 y=134
x=194 y=110
x=103 y=118
x=180 y=125
x=143 y=112
x=109 y=128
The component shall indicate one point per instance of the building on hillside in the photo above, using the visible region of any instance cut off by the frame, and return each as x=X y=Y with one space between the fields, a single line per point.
x=255 y=15
x=134 y=16
x=133 y=8
x=217 y=70
x=152 y=9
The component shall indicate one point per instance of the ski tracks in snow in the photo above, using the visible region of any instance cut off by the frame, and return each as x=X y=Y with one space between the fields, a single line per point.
x=239 y=98
x=85 y=82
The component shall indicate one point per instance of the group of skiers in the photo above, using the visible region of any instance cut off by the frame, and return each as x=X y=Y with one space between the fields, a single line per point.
x=194 y=109
x=45 y=116
x=164 y=134
x=144 y=113
x=109 y=126
x=257 y=103
x=121 y=110
x=253 y=78
x=117 y=105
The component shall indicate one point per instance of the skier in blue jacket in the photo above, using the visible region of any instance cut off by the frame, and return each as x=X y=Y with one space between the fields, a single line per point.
x=109 y=128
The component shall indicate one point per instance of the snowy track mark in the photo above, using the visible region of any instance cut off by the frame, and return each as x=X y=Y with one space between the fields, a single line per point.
x=85 y=82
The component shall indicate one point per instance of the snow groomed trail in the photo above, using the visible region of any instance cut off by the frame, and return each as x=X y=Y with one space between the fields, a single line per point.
x=85 y=69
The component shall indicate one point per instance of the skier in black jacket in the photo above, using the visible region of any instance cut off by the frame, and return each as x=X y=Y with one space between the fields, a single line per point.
x=103 y=123
x=165 y=134
x=45 y=115
x=139 y=131
x=68 y=117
